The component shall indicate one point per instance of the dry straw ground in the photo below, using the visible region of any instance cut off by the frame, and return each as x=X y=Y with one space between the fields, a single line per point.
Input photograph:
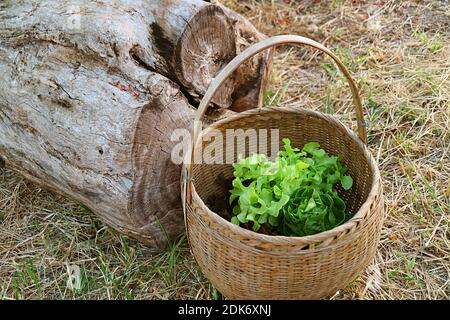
x=399 y=53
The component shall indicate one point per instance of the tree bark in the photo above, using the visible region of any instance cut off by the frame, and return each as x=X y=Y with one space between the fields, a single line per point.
x=188 y=41
x=90 y=92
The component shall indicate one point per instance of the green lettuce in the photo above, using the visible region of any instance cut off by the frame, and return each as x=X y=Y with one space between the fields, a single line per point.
x=294 y=195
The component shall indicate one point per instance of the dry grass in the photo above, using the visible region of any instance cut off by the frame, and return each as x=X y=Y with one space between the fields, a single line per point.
x=398 y=51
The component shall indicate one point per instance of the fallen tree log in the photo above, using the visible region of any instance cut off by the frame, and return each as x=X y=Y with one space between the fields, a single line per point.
x=90 y=92
x=187 y=41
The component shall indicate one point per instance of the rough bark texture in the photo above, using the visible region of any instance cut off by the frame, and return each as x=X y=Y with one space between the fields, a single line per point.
x=64 y=124
x=187 y=41
x=90 y=92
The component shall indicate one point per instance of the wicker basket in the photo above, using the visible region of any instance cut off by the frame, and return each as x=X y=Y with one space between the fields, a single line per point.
x=243 y=264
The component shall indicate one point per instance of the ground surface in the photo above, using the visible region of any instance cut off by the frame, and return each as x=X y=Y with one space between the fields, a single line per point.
x=398 y=51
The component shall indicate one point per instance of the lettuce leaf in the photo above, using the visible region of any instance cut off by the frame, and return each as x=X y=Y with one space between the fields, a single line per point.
x=294 y=195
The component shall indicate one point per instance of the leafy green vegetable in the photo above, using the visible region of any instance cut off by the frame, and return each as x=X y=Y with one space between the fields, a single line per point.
x=346 y=182
x=294 y=195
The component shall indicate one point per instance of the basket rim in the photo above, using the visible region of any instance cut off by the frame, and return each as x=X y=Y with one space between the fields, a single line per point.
x=359 y=216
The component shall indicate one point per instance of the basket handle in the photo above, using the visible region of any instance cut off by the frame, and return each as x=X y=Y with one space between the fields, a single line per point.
x=245 y=56
x=266 y=44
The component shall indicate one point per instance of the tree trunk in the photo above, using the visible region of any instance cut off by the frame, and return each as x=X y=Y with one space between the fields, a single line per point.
x=90 y=92
x=188 y=41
